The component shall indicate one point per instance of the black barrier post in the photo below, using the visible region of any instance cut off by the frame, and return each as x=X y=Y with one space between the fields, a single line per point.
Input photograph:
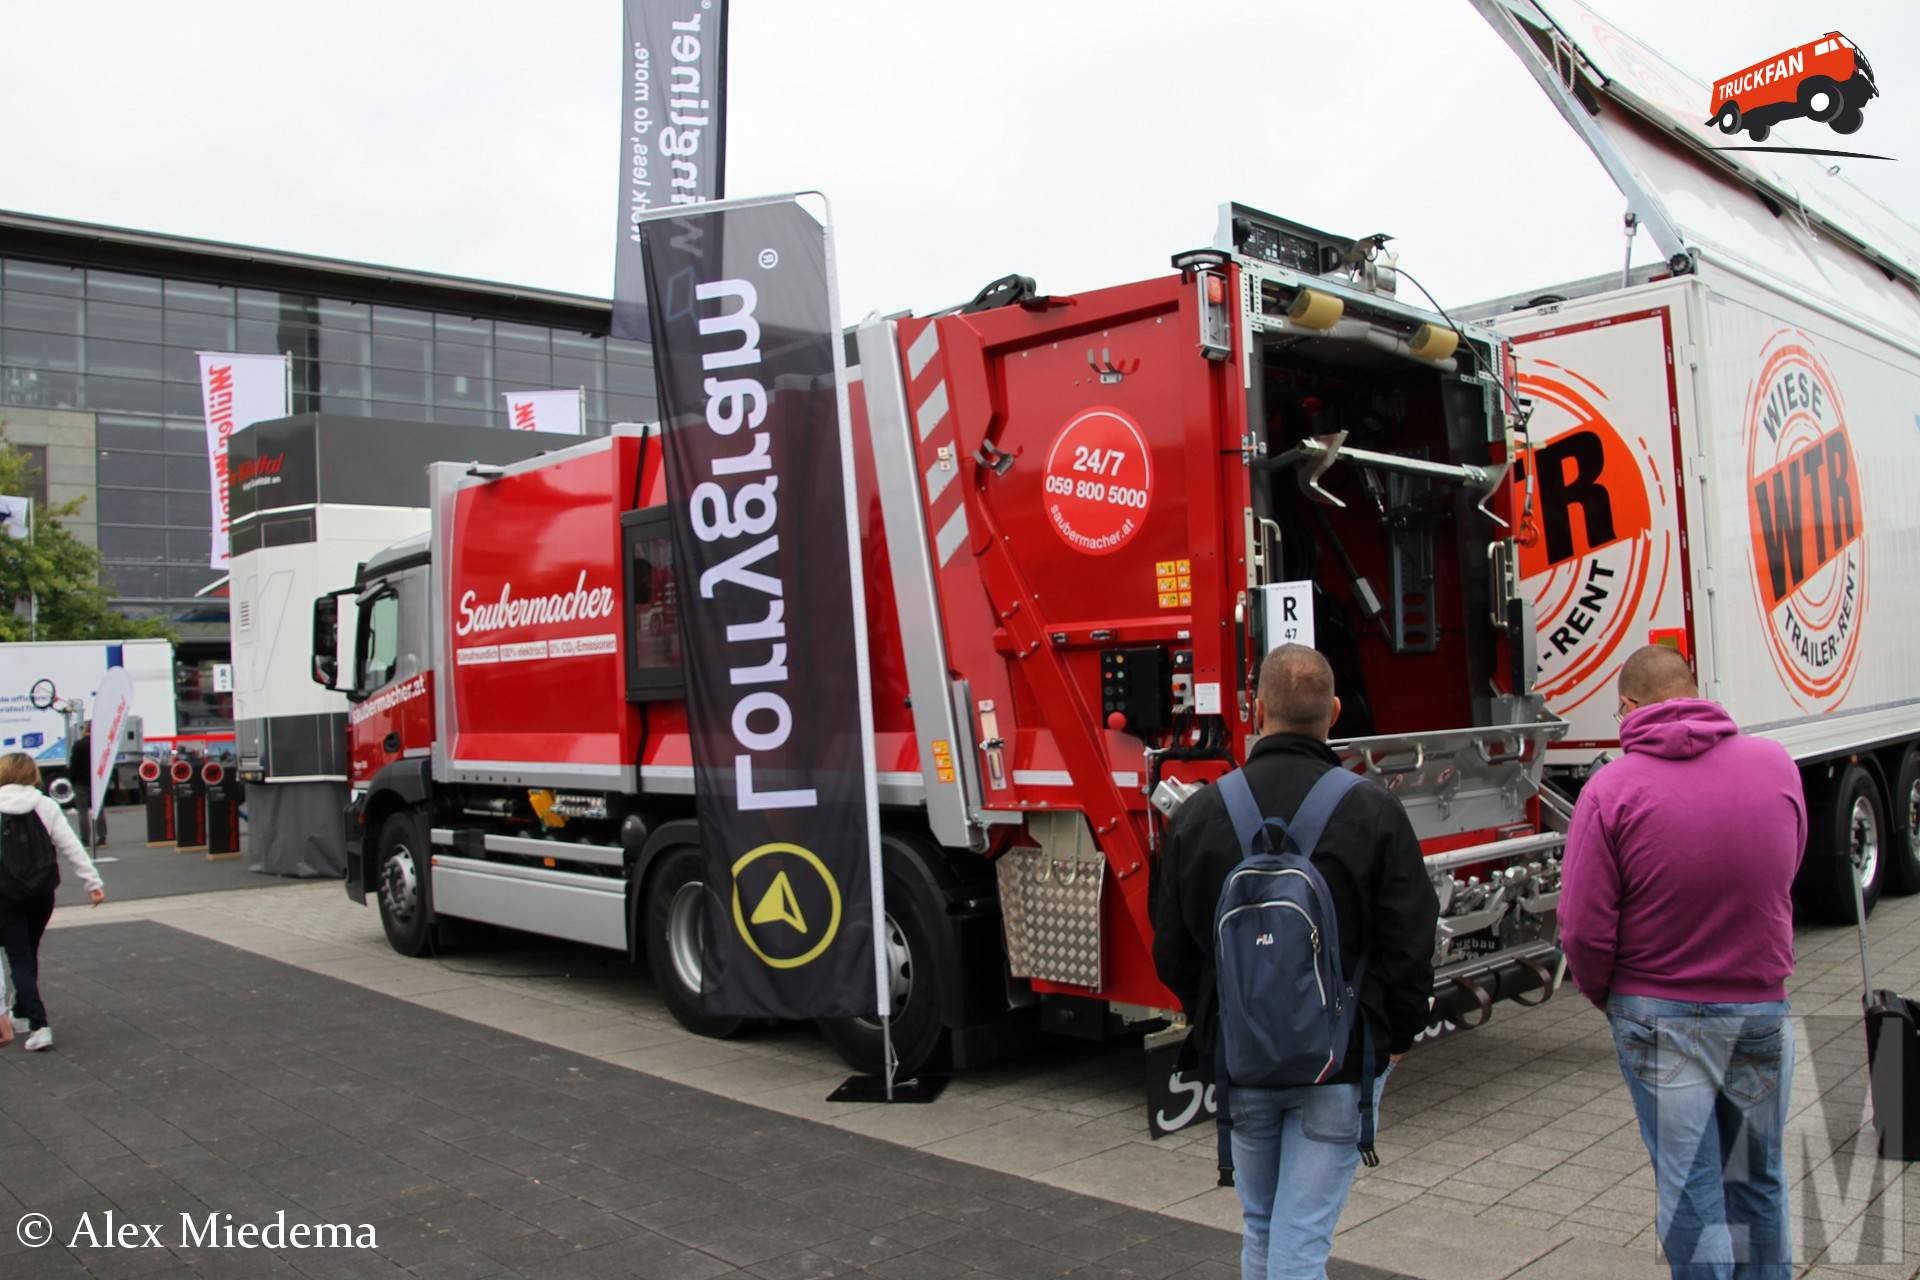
x=159 y=803
x=189 y=807
x=223 y=811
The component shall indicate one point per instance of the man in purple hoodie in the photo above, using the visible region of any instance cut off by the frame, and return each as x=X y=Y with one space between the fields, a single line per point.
x=1676 y=919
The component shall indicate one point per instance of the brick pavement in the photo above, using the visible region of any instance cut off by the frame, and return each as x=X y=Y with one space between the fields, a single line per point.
x=1507 y=1151
x=195 y=1079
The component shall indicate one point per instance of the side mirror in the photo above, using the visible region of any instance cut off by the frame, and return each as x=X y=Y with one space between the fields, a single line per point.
x=326 y=641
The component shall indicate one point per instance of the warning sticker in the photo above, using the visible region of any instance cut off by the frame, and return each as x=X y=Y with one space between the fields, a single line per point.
x=1099 y=481
x=1173 y=583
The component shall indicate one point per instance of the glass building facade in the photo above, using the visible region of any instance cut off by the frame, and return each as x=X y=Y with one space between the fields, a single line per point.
x=121 y=345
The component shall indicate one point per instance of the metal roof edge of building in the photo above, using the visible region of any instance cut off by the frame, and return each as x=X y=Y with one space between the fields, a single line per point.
x=81 y=232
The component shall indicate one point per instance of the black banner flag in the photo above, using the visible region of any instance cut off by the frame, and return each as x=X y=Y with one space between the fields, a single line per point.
x=673 y=136
x=760 y=482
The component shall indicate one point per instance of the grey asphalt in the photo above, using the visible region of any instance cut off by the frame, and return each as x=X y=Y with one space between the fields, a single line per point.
x=135 y=871
x=192 y=1079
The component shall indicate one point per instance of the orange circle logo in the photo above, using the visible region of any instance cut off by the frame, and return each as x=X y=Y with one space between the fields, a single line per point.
x=1809 y=527
x=1587 y=550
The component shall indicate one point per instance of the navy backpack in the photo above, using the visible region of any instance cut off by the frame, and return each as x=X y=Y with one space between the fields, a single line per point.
x=1287 y=1011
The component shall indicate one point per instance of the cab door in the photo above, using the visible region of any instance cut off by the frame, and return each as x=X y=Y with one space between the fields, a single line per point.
x=392 y=716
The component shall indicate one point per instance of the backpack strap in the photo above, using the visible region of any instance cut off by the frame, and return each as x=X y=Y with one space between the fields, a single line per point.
x=1311 y=818
x=1242 y=810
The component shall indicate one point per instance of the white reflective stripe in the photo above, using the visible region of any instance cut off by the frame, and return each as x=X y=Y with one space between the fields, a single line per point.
x=939 y=475
x=931 y=410
x=1125 y=779
x=951 y=535
x=1042 y=778
x=924 y=348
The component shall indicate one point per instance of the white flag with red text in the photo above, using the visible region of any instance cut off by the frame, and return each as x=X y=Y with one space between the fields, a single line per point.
x=238 y=391
x=559 y=411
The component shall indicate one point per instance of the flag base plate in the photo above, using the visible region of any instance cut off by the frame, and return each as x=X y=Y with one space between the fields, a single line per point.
x=874 y=1089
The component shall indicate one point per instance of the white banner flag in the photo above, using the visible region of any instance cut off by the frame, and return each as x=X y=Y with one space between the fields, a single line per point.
x=558 y=411
x=111 y=703
x=16 y=517
x=238 y=391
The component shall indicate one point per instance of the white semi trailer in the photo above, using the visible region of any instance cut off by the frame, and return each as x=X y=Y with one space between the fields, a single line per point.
x=1722 y=450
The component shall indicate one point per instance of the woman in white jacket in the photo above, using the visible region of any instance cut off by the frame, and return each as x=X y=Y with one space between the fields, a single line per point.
x=23 y=923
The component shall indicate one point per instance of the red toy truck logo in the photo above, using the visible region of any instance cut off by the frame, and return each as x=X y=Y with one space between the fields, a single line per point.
x=1827 y=80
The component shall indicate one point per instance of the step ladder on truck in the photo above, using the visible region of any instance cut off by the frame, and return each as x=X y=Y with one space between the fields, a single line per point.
x=1084 y=520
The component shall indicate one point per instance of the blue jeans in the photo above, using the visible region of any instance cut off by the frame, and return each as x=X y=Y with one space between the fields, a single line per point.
x=1294 y=1153
x=1710 y=1085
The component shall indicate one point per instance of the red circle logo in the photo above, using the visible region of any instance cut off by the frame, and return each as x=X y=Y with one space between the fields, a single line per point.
x=211 y=772
x=182 y=771
x=1098 y=482
x=1808 y=525
x=150 y=771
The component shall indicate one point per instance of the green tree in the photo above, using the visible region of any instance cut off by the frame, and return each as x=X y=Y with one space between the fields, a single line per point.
x=58 y=571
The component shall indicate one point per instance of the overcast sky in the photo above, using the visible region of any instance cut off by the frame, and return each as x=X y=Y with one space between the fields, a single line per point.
x=1079 y=141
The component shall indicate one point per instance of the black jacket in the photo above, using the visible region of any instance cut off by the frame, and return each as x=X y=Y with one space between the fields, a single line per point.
x=1372 y=864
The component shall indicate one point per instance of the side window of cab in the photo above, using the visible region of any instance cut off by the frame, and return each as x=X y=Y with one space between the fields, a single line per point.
x=379 y=641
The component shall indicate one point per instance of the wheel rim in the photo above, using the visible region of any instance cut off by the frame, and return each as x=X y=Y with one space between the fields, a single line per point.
x=400 y=886
x=1913 y=820
x=1865 y=839
x=686 y=932
x=899 y=971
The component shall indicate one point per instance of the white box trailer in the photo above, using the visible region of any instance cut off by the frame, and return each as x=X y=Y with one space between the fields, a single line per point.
x=1722 y=452
x=39 y=680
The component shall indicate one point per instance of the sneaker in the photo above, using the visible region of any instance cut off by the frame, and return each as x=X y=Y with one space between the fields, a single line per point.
x=41 y=1039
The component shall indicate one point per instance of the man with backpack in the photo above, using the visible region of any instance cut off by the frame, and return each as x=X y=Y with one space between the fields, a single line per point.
x=1294 y=919
x=34 y=836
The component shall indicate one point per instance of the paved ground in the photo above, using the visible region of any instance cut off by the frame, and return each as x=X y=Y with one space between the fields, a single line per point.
x=193 y=1081
x=133 y=871
x=1508 y=1151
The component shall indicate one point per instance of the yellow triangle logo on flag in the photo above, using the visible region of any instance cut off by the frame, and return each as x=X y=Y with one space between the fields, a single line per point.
x=778 y=903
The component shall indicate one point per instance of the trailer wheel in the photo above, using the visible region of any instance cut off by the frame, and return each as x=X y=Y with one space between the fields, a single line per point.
x=401 y=880
x=1850 y=817
x=1729 y=118
x=915 y=980
x=676 y=924
x=1848 y=120
x=1820 y=98
x=1902 y=851
x=1758 y=131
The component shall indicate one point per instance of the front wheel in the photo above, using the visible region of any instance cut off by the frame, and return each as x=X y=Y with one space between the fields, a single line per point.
x=915 y=980
x=1903 y=827
x=1848 y=823
x=676 y=937
x=402 y=857
x=1729 y=118
x=1820 y=98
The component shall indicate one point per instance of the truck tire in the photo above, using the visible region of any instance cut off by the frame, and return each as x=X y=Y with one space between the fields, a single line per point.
x=1902 y=850
x=913 y=969
x=1820 y=98
x=1850 y=815
x=1848 y=120
x=1758 y=131
x=676 y=928
x=402 y=856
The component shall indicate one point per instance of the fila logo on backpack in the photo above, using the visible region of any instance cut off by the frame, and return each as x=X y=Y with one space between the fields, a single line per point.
x=1287 y=1011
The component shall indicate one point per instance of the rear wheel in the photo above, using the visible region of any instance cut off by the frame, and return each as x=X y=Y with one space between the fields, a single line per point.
x=1902 y=852
x=1820 y=98
x=1848 y=120
x=1758 y=132
x=676 y=937
x=1849 y=822
x=915 y=981
x=401 y=883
